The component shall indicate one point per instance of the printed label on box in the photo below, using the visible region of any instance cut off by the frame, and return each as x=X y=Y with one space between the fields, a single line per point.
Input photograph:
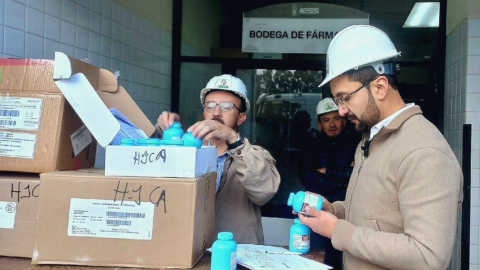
x=81 y=139
x=8 y=211
x=109 y=219
x=20 y=113
x=18 y=145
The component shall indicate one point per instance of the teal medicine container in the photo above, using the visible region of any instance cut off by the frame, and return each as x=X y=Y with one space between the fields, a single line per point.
x=299 y=237
x=190 y=140
x=224 y=252
x=303 y=200
x=175 y=132
x=127 y=142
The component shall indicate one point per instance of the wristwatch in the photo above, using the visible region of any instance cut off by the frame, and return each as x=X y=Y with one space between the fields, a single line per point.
x=237 y=143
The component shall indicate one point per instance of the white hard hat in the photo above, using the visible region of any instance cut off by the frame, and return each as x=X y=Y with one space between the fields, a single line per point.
x=326 y=105
x=226 y=83
x=358 y=46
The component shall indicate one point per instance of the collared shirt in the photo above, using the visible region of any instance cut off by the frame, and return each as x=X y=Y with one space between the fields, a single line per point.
x=375 y=129
x=221 y=166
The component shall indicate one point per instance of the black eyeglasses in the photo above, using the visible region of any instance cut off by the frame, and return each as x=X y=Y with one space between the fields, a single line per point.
x=224 y=106
x=342 y=101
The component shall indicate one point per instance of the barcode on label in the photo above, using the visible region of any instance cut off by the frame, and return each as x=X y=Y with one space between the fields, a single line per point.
x=8 y=122
x=125 y=215
x=13 y=113
x=119 y=222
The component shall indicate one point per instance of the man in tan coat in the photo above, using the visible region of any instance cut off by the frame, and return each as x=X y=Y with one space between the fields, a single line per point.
x=400 y=210
x=246 y=174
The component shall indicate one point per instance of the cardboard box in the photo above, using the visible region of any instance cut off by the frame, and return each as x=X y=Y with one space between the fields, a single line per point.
x=87 y=218
x=84 y=93
x=123 y=160
x=155 y=161
x=36 y=123
x=18 y=213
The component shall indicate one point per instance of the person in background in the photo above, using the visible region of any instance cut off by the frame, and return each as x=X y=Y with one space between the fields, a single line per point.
x=402 y=201
x=328 y=166
x=246 y=173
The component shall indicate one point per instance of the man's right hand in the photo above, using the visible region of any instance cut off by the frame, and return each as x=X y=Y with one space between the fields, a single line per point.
x=166 y=119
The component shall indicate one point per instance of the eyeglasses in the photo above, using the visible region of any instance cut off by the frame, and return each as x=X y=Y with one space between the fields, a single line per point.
x=342 y=101
x=224 y=106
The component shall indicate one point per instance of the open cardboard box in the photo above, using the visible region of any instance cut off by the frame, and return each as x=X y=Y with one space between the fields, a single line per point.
x=93 y=109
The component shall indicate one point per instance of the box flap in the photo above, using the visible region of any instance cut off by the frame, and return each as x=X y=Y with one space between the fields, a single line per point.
x=88 y=105
x=122 y=101
x=107 y=81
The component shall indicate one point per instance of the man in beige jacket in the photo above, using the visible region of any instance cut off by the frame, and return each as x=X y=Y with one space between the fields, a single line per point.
x=246 y=174
x=400 y=210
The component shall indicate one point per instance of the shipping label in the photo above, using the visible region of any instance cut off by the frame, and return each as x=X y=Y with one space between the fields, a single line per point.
x=17 y=145
x=110 y=219
x=20 y=113
x=81 y=139
x=8 y=211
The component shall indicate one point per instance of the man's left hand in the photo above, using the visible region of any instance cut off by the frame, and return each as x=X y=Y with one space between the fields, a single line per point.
x=211 y=129
x=321 y=222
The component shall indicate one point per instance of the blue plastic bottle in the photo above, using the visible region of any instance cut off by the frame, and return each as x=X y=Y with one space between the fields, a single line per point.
x=127 y=142
x=299 y=237
x=190 y=140
x=224 y=252
x=302 y=201
x=175 y=132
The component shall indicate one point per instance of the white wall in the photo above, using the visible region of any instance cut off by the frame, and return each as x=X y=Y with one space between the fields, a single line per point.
x=462 y=106
x=106 y=34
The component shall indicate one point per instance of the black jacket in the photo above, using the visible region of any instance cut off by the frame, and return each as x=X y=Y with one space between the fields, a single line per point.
x=335 y=154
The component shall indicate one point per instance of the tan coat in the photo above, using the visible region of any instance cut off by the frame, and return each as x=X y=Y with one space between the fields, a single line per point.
x=249 y=180
x=400 y=211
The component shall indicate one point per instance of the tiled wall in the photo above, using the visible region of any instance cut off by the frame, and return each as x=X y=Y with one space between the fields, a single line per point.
x=462 y=105
x=106 y=34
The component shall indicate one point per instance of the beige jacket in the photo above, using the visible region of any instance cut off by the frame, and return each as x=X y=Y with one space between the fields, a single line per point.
x=401 y=207
x=249 y=180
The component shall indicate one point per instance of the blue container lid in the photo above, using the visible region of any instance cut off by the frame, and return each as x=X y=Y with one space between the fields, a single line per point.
x=297 y=221
x=143 y=141
x=154 y=141
x=127 y=141
x=176 y=125
x=290 y=199
x=172 y=142
x=225 y=236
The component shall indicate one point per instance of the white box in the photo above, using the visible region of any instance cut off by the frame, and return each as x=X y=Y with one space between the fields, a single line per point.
x=160 y=161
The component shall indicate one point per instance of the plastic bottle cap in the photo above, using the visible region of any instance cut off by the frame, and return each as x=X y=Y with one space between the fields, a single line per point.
x=176 y=125
x=127 y=141
x=290 y=199
x=142 y=141
x=297 y=221
x=172 y=142
x=225 y=236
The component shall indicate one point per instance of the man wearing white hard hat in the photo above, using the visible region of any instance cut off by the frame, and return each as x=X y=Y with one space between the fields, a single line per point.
x=328 y=165
x=400 y=211
x=246 y=174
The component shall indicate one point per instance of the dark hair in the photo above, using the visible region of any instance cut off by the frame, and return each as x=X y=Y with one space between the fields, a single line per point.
x=368 y=73
x=243 y=104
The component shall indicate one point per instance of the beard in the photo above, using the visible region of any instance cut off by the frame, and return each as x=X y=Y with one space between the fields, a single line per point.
x=369 y=118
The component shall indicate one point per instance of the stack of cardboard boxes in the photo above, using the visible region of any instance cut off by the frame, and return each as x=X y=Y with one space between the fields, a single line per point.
x=74 y=214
